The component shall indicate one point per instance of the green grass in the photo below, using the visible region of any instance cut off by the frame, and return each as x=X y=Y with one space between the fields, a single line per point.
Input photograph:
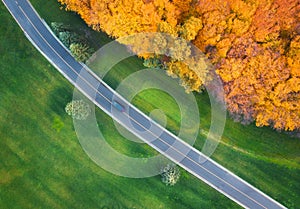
x=265 y=158
x=43 y=165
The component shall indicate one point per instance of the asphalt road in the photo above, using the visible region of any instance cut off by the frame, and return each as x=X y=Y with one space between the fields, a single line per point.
x=135 y=121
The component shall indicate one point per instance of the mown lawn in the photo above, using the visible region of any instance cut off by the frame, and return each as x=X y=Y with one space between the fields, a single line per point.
x=44 y=166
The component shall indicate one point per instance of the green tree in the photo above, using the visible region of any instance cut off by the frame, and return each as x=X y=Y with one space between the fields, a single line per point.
x=58 y=27
x=78 y=109
x=81 y=52
x=67 y=38
x=170 y=174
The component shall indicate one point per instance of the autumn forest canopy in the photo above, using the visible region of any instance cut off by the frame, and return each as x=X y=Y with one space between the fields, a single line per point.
x=254 y=46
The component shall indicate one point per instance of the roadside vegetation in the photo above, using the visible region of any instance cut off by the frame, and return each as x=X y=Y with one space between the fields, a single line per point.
x=43 y=164
x=77 y=44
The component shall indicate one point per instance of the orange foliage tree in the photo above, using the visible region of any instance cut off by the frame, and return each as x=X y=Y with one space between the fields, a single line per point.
x=255 y=46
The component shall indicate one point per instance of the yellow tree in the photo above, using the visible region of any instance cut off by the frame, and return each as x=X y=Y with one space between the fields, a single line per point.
x=188 y=78
x=190 y=28
x=254 y=44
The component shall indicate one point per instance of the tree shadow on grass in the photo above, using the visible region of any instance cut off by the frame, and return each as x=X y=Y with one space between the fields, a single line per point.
x=58 y=99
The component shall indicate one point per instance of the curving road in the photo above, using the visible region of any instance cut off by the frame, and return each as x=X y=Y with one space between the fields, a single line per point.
x=135 y=121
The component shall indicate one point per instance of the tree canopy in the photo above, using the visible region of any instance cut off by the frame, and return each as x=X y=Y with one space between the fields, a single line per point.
x=255 y=46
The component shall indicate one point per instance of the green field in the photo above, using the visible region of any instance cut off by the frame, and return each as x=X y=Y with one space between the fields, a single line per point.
x=44 y=166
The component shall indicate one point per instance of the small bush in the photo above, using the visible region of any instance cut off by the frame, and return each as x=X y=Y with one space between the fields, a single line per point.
x=78 y=109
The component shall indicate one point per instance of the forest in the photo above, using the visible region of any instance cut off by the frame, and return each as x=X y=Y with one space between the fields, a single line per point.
x=253 y=45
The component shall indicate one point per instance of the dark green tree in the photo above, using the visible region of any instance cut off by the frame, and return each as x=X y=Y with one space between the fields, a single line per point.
x=68 y=38
x=58 y=27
